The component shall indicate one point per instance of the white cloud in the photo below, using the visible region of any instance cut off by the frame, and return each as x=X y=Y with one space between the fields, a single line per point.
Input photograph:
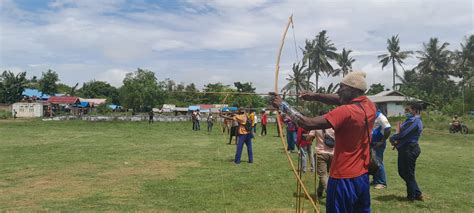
x=113 y=76
x=222 y=41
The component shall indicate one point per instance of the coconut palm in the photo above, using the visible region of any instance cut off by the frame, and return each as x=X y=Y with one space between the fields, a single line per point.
x=464 y=60
x=307 y=54
x=434 y=59
x=344 y=61
x=319 y=52
x=297 y=81
x=394 y=55
x=435 y=62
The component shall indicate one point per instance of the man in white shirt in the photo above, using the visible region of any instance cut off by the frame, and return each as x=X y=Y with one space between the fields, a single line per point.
x=380 y=133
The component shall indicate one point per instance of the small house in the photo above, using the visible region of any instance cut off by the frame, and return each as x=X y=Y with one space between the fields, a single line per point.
x=28 y=110
x=391 y=103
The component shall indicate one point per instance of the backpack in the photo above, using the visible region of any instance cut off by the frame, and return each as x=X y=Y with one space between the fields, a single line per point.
x=328 y=140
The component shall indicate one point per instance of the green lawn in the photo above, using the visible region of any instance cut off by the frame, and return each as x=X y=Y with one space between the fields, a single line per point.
x=166 y=167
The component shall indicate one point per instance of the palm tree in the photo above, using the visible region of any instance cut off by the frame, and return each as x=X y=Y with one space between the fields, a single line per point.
x=297 y=82
x=464 y=60
x=345 y=63
x=319 y=51
x=307 y=54
x=434 y=61
x=394 y=55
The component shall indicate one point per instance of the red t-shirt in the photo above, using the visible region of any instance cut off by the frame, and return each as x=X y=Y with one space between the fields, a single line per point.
x=351 y=152
x=264 y=119
x=299 y=137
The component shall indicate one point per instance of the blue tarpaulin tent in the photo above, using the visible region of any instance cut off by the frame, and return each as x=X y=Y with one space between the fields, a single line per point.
x=114 y=106
x=35 y=93
x=232 y=109
x=193 y=108
x=83 y=104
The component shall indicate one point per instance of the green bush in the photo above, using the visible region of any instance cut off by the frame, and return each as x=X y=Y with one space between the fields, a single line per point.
x=5 y=114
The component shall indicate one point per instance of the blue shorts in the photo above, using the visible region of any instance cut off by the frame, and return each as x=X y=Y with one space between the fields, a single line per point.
x=348 y=195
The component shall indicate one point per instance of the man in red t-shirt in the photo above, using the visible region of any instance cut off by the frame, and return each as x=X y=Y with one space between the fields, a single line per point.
x=348 y=185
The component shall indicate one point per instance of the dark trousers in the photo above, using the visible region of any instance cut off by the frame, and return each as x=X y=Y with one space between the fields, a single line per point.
x=407 y=156
x=209 y=126
x=247 y=139
x=264 y=130
x=150 y=119
x=380 y=177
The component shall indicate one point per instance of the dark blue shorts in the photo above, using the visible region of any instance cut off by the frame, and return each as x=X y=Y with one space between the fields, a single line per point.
x=348 y=195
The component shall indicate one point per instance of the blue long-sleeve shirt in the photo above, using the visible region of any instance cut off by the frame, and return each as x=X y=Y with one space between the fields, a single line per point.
x=410 y=132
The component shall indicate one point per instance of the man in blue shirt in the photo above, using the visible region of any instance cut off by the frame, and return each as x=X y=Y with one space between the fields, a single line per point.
x=380 y=133
x=406 y=142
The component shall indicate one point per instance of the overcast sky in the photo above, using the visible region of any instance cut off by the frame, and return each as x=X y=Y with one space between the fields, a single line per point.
x=206 y=41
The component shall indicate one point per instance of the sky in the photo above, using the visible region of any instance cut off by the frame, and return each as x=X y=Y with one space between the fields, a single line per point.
x=210 y=41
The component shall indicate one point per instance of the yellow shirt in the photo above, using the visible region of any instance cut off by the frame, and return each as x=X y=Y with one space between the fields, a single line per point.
x=252 y=118
x=242 y=120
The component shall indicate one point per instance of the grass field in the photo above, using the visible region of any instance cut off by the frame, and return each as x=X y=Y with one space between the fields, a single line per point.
x=166 y=167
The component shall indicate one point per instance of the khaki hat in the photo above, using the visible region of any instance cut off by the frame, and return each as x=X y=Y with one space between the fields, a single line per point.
x=355 y=80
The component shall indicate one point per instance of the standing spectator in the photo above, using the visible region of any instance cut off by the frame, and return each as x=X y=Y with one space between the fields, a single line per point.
x=233 y=129
x=380 y=133
x=324 y=155
x=252 y=119
x=245 y=135
x=210 y=122
x=406 y=142
x=198 y=120
x=151 y=114
x=348 y=185
x=304 y=142
x=264 y=123
x=226 y=125
x=14 y=114
x=290 y=134
x=255 y=122
x=193 y=118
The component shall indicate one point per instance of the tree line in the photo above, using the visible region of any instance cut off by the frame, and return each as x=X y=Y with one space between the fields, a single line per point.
x=141 y=91
x=430 y=80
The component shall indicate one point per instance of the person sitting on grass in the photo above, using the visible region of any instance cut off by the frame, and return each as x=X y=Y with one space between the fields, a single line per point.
x=406 y=142
x=244 y=134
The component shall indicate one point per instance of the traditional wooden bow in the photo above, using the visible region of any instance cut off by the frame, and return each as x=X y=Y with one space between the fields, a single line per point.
x=297 y=176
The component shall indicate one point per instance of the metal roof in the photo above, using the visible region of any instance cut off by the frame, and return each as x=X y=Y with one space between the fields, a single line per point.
x=64 y=100
x=382 y=99
x=390 y=93
x=95 y=101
